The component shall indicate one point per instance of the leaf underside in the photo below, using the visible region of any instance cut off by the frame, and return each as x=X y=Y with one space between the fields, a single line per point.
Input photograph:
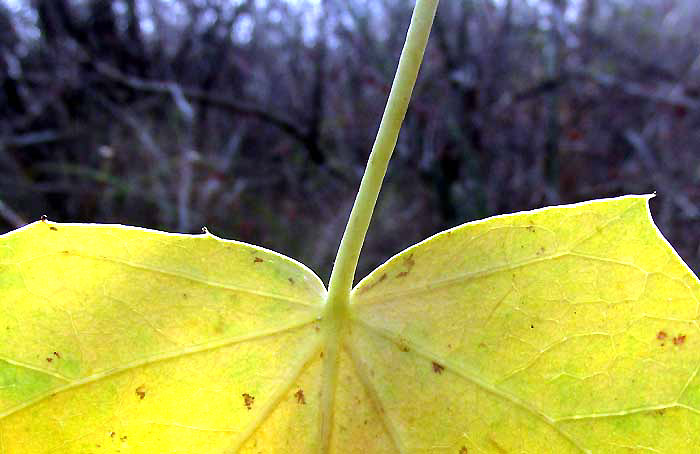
x=566 y=329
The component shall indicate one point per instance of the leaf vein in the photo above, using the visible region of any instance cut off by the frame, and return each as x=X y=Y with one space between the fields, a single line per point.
x=194 y=349
x=277 y=395
x=192 y=278
x=362 y=374
x=448 y=364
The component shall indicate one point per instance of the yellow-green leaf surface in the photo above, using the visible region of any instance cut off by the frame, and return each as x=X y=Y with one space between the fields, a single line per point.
x=126 y=340
x=567 y=329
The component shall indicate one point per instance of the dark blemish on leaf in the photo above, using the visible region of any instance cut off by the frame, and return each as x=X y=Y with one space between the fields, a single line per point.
x=291 y=281
x=530 y=228
x=679 y=340
x=321 y=355
x=300 y=397
x=57 y=355
x=53 y=228
x=257 y=260
x=463 y=450
x=532 y=326
x=365 y=422
x=49 y=359
x=43 y=218
x=409 y=261
x=123 y=438
x=403 y=347
x=498 y=447
x=438 y=368
x=661 y=335
x=317 y=328
x=248 y=400
x=112 y=434
x=141 y=391
x=402 y=274
x=660 y=411
x=371 y=286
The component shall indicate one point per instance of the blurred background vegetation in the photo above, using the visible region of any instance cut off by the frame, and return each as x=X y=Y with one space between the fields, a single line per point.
x=255 y=117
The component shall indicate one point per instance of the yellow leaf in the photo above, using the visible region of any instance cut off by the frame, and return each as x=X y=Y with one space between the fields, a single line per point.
x=566 y=329
x=117 y=339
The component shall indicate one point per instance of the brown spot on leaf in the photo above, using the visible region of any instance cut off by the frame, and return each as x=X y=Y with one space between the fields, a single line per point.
x=112 y=434
x=300 y=397
x=661 y=335
x=53 y=228
x=56 y=354
x=402 y=274
x=123 y=438
x=257 y=260
x=496 y=445
x=321 y=355
x=141 y=391
x=438 y=368
x=679 y=340
x=291 y=281
x=369 y=287
x=531 y=228
x=248 y=400
x=463 y=450
x=409 y=261
x=403 y=347
x=49 y=359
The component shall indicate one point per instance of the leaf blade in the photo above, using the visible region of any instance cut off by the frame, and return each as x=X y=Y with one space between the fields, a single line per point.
x=96 y=307
x=559 y=307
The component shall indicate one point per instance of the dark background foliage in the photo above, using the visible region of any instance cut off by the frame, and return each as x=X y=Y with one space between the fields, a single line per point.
x=255 y=118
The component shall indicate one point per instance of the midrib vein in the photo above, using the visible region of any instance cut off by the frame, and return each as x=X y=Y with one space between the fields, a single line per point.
x=461 y=372
x=363 y=376
x=192 y=278
x=194 y=349
x=331 y=362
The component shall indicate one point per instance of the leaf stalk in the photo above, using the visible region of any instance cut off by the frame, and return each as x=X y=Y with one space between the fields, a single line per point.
x=345 y=265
